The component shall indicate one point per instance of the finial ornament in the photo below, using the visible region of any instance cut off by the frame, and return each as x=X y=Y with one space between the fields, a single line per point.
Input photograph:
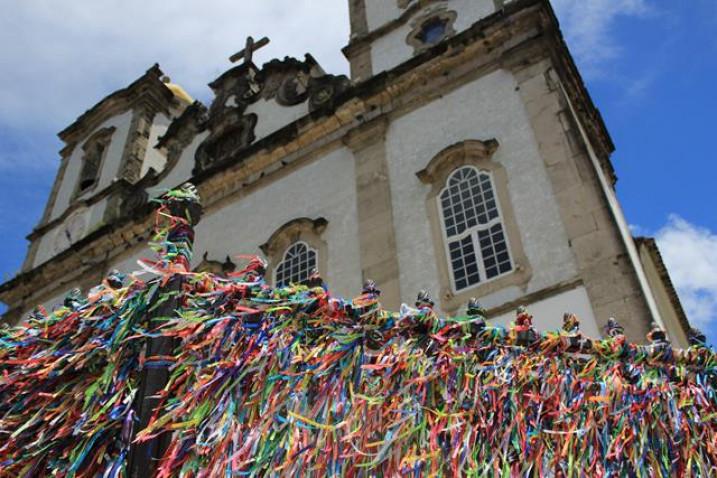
x=74 y=299
x=256 y=269
x=697 y=338
x=423 y=300
x=115 y=279
x=571 y=323
x=474 y=308
x=613 y=328
x=369 y=287
x=525 y=333
x=656 y=335
x=573 y=338
x=476 y=313
x=315 y=280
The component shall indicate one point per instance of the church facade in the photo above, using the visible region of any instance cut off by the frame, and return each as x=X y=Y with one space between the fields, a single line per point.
x=464 y=156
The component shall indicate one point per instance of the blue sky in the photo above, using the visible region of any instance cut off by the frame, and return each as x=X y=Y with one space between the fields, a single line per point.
x=650 y=66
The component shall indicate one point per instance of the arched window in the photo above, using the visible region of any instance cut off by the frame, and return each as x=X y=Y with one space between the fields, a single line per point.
x=94 y=151
x=297 y=264
x=476 y=241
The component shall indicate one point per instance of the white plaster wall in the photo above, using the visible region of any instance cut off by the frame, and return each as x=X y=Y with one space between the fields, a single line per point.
x=379 y=12
x=93 y=217
x=110 y=165
x=325 y=188
x=44 y=250
x=52 y=303
x=96 y=216
x=127 y=262
x=486 y=108
x=548 y=313
x=153 y=158
x=272 y=116
x=391 y=49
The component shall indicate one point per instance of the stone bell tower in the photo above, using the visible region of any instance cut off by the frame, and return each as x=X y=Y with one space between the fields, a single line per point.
x=386 y=33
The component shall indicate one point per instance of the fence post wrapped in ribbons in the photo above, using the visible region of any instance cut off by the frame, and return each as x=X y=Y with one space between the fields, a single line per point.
x=293 y=381
x=179 y=212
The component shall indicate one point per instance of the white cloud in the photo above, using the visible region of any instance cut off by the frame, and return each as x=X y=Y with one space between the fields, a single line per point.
x=59 y=58
x=690 y=253
x=62 y=57
x=588 y=26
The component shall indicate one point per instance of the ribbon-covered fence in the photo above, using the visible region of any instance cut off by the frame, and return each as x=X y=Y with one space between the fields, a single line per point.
x=197 y=375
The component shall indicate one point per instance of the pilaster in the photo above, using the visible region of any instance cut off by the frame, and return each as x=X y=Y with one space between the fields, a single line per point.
x=137 y=142
x=602 y=259
x=377 y=236
x=359 y=57
x=35 y=241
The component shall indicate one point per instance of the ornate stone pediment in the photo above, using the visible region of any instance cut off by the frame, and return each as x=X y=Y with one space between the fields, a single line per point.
x=289 y=82
x=236 y=133
x=230 y=130
x=324 y=90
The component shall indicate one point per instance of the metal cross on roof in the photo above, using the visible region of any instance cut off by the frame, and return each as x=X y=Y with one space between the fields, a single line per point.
x=248 y=52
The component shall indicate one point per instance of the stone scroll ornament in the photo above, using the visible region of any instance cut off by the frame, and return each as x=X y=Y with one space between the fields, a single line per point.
x=296 y=382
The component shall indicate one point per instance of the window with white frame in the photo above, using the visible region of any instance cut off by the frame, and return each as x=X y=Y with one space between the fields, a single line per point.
x=297 y=264
x=477 y=246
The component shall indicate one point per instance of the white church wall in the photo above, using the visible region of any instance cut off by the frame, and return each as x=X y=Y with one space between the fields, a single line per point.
x=153 y=158
x=486 y=108
x=45 y=249
x=53 y=302
x=92 y=217
x=324 y=188
x=392 y=49
x=548 y=313
x=271 y=116
x=379 y=12
x=127 y=263
x=110 y=164
x=96 y=216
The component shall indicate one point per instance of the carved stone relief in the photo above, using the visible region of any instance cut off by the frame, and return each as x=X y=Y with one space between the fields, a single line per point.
x=286 y=81
x=289 y=82
x=324 y=91
x=236 y=133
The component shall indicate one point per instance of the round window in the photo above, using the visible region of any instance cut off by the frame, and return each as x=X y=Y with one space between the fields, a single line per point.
x=433 y=31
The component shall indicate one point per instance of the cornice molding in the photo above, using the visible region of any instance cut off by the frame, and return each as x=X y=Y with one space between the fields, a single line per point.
x=148 y=91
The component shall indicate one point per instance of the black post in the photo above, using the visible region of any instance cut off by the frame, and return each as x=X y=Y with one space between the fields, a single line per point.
x=143 y=457
x=184 y=210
